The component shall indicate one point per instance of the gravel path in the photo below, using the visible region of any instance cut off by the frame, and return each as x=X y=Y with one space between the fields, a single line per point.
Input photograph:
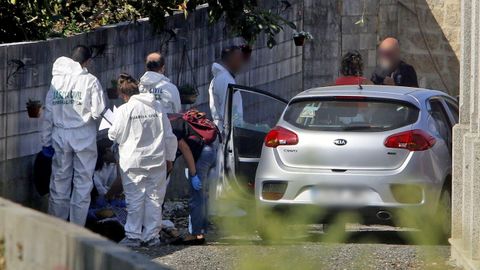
x=365 y=248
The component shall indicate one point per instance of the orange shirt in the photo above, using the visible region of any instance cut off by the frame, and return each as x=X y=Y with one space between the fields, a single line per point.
x=349 y=80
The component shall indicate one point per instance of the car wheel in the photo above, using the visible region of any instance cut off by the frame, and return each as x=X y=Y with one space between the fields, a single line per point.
x=444 y=212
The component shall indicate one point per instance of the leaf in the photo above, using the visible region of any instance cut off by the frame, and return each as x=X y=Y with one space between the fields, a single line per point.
x=271 y=42
x=361 y=22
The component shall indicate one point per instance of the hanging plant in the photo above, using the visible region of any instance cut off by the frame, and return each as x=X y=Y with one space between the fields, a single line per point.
x=300 y=37
x=33 y=108
x=188 y=94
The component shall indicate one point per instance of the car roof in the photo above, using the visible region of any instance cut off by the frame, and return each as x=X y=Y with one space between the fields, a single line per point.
x=413 y=95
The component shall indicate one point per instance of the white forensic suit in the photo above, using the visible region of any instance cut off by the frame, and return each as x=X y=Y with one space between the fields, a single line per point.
x=217 y=101
x=74 y=100
x=164 y=91
x=146 y=142
x=218 y=96
x=105 y=177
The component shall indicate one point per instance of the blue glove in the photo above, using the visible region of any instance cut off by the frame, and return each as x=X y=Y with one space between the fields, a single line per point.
x=48 y=151
x=196 y=182
x=118 y=203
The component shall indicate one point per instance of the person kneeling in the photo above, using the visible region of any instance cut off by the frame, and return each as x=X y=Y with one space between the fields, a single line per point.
x=147 y=148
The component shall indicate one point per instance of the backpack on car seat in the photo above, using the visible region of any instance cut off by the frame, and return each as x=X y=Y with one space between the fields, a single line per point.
x=203 y=126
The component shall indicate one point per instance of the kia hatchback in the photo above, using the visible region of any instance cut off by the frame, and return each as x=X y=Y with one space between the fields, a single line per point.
x=373 y=150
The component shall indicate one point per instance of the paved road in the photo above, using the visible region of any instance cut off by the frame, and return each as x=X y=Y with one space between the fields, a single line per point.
x=366 y=247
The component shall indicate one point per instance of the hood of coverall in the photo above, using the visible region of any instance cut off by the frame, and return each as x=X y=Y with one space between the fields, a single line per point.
x=145 y=98
x=151 y=78
x=66 y=66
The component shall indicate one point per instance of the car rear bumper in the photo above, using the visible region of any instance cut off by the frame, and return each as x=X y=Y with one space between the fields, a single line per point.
x=364 y=214
x=379 y=188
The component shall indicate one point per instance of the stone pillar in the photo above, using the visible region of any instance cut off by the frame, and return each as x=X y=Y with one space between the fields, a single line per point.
x=465 y=239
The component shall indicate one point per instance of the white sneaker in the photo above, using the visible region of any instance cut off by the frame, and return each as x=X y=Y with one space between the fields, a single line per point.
x=153 y=242
x=129 y=242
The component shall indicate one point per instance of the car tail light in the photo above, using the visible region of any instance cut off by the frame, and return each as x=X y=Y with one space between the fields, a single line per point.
x=280 y=136
x=273 y=191
x=412 y=140
x=350 y=98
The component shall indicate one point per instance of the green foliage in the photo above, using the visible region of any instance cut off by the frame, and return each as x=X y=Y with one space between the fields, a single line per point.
x=40 y=19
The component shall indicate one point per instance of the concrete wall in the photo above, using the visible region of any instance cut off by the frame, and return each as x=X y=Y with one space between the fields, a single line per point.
x=278 y=70
x=465 y=238
x=32 y=240
x=428 y=30
x=321 y=56
x=284 y=70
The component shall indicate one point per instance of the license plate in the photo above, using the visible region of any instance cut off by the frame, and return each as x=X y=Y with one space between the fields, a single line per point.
x=341 y=196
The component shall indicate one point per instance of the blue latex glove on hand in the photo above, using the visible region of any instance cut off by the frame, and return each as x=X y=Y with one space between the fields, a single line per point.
x=196 y=182
x=48 y=151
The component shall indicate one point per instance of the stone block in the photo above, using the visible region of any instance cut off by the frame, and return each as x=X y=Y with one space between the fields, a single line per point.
x=368 y=41
x=467 y=191
x=350 y=42
x=475 y=211
x=19 y=123
x=459 y=132
x=23 y=145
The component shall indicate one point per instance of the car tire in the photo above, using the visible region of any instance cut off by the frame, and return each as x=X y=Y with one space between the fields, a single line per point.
x=444 y=213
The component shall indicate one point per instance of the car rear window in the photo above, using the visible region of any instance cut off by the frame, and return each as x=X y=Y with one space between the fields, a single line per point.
x=351 y=114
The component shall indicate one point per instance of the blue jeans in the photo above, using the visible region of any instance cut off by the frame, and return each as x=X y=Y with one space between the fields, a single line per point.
x=199 y=198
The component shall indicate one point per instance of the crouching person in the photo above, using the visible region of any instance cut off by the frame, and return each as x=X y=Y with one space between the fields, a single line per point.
x=196 y=134
x=147 y=148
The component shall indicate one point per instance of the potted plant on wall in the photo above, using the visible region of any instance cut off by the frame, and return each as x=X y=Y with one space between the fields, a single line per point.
x=33 y=108
x=300 y=37
x=112 y=91
x=188 y=94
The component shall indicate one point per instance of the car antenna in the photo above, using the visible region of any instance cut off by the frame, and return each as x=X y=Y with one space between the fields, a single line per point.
x=360 y=87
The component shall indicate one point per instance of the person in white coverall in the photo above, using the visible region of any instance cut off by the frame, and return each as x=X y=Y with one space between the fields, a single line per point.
x=223 y=75
x=74 y=100
x=153 y=81
x=232 y=61
x=147 y=147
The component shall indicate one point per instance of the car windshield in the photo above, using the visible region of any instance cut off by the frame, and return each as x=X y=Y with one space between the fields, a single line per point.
x=350 y=114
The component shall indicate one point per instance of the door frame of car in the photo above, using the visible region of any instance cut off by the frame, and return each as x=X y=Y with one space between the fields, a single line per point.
x=228 y=153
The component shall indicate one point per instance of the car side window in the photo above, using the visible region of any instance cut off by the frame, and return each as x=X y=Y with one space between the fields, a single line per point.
x=454 y=110
x=440 y=117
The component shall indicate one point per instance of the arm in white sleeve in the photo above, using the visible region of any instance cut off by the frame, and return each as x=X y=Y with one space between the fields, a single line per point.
x=115 y=130
x=220 y=88
x=47 y=125
x=98 y=100
x=171 y=142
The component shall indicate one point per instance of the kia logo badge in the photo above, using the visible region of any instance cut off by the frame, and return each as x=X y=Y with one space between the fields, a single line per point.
x=340 y=142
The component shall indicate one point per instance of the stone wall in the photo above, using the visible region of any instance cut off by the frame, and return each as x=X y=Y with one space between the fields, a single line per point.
x=465 y=238
x=278 y=70
x=284 y=70
x=428 y=30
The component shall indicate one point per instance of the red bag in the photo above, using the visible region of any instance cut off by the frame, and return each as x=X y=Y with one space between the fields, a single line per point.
x=199 y=122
